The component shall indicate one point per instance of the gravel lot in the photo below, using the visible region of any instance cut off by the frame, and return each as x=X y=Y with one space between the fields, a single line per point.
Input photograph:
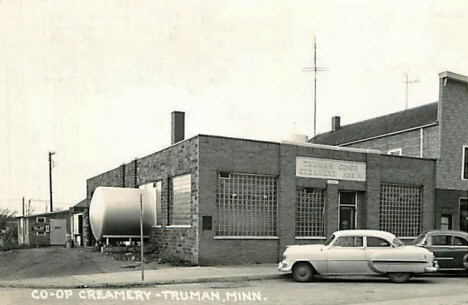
x=59 y=261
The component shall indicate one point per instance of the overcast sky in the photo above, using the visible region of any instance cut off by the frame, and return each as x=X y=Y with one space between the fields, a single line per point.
x=96 y=81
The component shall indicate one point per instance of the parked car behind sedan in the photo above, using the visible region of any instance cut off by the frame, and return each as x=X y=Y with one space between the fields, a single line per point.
x=358 y=252
x=450 y=248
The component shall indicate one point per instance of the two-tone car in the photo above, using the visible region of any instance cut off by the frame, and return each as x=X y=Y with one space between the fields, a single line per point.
x=450 y=248
x=358 y=252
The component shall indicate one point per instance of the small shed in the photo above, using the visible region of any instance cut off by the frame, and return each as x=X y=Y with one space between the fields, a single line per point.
x=46 y=229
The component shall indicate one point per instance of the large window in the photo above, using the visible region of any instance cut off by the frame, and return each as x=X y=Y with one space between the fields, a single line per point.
x=155 y=190
x=247 y=205
x=309 y=212
x=179 y=200
x=465 y=163
x=400 y=209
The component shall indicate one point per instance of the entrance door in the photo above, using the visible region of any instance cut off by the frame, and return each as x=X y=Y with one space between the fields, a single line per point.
x=58 y=231
x=347 y=213
x=464 y=215
x=347 y=217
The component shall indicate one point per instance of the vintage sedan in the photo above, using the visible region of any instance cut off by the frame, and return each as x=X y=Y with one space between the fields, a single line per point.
x=358 y=252
x=450 y=248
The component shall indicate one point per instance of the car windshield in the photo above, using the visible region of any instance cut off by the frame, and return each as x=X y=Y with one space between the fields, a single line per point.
x=330 y=239
x=398 y=243
x=418 y=239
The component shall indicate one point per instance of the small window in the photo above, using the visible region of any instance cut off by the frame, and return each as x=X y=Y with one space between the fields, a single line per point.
x=395 y=152
x=458 y=241
x=349 y=241
x=446 y=222
x=40 y=219
x=224 y=175
x=377 y=242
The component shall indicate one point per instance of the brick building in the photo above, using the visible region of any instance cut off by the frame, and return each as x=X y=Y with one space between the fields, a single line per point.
x=438 y=131
x=223 y=200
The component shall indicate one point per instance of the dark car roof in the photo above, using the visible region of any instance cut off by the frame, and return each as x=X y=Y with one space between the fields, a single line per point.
x=448 y=232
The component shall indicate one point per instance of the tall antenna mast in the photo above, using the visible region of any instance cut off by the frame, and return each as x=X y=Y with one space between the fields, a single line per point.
x=314 y=69
x=409 y=82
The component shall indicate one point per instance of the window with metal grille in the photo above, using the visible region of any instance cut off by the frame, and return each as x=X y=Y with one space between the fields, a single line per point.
x=247 y=205
x=400 y=209
x=179 y=200
x=310 y=204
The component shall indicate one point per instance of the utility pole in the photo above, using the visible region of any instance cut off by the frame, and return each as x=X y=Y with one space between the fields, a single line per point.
x=314 y=69
x=23 y=206
x=409 y=82
x=50 y=180
x=141 y=240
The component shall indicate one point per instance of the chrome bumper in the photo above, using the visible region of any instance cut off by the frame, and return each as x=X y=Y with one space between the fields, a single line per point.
x=434 y=268
x=282 y=267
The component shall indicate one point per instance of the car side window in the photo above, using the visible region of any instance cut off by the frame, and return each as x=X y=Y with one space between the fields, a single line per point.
x=458 y=241
x=440 y=240
x=377 y=242
x=349 y=241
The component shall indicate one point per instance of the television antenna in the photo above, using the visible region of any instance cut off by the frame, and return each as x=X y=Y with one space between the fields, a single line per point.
x=314 y=69
x=414 y=81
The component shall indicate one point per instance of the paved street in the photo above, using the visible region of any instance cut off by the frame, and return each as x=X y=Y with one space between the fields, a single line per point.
x=428 y=290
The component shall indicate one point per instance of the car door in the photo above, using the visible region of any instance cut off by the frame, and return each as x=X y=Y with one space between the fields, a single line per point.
x=460 y=249
x=441 y=246
x=374 y=247
x=346 y=256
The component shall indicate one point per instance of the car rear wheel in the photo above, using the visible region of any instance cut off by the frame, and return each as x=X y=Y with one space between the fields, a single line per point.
x=399 y=277
x=302 y=272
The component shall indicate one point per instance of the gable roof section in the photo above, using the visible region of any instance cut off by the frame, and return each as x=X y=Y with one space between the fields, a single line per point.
x=82 y=204
x=379 y=126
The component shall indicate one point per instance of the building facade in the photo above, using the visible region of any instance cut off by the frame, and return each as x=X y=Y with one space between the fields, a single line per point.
x=438 y=131
x=223 y=200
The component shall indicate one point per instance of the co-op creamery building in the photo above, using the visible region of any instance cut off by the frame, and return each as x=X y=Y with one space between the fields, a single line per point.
x=221 y=200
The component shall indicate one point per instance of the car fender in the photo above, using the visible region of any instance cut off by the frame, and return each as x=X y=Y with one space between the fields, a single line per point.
x=397 y=260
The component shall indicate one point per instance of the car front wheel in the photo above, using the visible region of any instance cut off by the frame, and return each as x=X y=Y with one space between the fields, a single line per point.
x=302 y=272
x=399 y=277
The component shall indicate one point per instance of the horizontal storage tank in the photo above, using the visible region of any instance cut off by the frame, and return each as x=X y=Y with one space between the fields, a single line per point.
x=115 y=212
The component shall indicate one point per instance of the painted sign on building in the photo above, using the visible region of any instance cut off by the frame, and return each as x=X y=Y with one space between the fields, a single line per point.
x=330 y=169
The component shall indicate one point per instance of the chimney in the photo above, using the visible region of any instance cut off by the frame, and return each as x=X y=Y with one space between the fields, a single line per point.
x=335 y=123
x=177 y=127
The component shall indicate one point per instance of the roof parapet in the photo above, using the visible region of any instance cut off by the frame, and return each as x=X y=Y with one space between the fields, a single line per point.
x=339 y=148
x=455 y=76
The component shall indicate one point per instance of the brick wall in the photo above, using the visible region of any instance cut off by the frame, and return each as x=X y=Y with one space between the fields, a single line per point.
x=453 y=117
x=205 y=156
x=449 y=204
x=219 y=154
x=182 y=158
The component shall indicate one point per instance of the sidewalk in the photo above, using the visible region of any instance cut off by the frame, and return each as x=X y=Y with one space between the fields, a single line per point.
x=179 y=275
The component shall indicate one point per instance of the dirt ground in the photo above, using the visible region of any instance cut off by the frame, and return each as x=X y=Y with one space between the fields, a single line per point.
x=60 y=261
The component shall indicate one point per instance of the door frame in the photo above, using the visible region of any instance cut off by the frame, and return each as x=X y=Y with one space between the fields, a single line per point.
x=354 y=206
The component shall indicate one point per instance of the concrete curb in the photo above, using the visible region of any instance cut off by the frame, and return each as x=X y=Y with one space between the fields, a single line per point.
x=237 y=278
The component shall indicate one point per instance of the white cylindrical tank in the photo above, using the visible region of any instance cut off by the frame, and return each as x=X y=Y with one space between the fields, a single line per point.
x=115 y=212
